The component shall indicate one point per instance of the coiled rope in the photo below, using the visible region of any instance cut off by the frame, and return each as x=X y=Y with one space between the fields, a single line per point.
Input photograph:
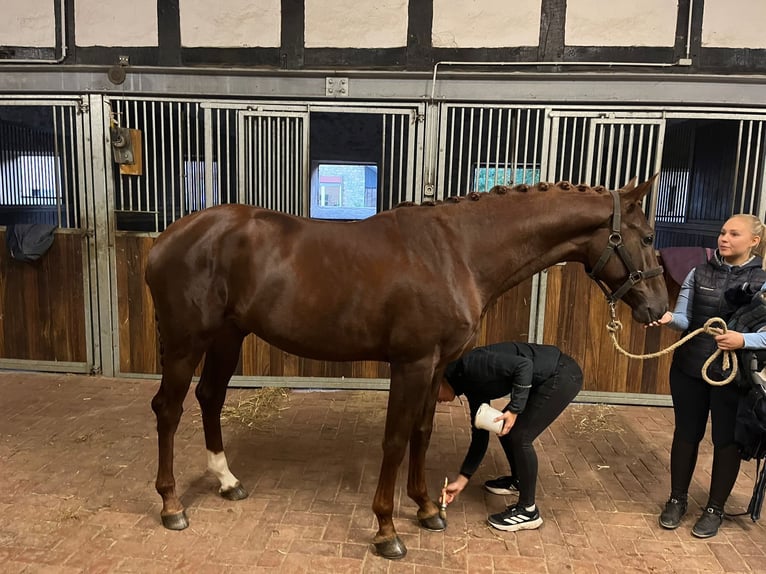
x=729 y=357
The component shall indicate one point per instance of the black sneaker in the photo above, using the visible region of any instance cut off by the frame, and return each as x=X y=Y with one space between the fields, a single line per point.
x=673 y=513
x=516 y=518
x=708 y=524
x=502 y=485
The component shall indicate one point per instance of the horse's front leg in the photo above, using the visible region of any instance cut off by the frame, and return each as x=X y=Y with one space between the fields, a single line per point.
x=220 y=362
x=417 y=488
x=167 y=405
x=409 y=384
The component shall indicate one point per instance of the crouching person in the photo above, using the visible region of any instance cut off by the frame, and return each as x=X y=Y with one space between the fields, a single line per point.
x=541 y=382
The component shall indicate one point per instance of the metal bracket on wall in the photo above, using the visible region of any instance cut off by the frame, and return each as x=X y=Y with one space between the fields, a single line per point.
x=336 y=87
x=117 y=73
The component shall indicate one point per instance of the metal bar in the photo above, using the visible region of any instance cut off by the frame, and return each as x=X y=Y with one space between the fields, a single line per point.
x=443 y=162
x=746 y=168
x=658 y=161
x=590 y=150
x=410 y=171
x=490 y=125
x=383 y=161
x=176 y=147
x=189 y=184
x=161 y=165
x=460 y=155
x=659 y=143
x=618 y=164
x=209 y=159
x=403 y=192
x=535 y=148
x=507 y=151
x=144 y=179
x=155 y=169
x=756 y=168
x=497 y=145
x=610 y=146
x=479 y=140
x=516 y=144
x=527 y=130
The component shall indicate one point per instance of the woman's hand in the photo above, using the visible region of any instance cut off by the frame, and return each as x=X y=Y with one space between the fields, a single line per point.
x=450 y=492
x=666 y=318
x=509 y=419
x=730 y=341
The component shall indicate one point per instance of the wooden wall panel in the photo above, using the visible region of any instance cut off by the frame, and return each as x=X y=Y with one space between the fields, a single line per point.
x=138 y=343
x=576 y=315
x=42 y=304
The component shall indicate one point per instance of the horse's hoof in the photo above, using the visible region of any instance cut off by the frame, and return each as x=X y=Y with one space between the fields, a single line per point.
x=393 y=549
x=175 y=521
x=433 y=523
x=234 y=493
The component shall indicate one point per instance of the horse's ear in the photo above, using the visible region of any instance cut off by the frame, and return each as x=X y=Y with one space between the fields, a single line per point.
x=637 y=193
x=631 y=184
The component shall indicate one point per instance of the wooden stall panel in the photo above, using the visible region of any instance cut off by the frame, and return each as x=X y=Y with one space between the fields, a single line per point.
x=42 y=304
x=576 y=315
x=139 y=345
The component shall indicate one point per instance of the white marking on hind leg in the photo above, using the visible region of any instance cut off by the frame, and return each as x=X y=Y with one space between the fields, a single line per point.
x=216 y=463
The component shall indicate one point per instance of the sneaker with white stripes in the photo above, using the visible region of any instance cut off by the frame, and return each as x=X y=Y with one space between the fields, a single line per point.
x=502 y=485
x=516 y=518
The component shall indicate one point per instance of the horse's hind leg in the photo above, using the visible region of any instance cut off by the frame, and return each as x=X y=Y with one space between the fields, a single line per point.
x=167 y=405
x=220 y=362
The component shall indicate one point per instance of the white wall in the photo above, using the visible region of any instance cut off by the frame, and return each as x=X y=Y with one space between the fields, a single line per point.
x=233 y=23
x=115 y=22
x=382 y=23
x=29 y=23
x=486 y=23
x=356 y=23
x=621 y=23
x=734 y=24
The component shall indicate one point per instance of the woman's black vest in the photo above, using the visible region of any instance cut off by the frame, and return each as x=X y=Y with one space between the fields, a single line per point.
x=717 y=293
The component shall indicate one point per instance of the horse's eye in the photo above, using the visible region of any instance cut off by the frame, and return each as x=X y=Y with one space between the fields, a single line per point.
x=648 y=240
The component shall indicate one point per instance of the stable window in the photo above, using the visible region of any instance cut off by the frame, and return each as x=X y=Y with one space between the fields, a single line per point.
x=485 y=178
x=343 y=191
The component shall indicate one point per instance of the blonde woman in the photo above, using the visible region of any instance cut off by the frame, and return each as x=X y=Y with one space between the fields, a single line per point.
x=714 y=289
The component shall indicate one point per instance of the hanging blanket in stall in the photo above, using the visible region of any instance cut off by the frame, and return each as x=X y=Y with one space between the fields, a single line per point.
x=678 y=261
x=29 y=241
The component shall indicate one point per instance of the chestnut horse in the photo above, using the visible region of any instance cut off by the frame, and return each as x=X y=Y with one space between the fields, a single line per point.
x=407 y=286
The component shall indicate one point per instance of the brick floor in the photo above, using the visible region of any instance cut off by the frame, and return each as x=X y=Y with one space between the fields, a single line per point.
x=77 y=490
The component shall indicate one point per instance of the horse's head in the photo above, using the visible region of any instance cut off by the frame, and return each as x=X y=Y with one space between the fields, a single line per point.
x=622 y=258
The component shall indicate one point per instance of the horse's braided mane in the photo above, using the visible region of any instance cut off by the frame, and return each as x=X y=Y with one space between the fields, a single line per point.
x=505 y=189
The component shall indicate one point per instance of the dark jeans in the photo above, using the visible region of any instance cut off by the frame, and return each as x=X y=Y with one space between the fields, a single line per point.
x=546 y=402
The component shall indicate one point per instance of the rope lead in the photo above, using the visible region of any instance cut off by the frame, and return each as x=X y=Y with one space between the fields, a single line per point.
x=729 y=357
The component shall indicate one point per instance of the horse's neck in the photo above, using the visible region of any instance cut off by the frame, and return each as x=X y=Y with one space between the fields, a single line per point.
x=516 y=237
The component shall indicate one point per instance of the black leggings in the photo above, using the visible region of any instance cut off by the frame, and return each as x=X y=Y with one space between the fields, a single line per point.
x=546 y=402
x=693 y=399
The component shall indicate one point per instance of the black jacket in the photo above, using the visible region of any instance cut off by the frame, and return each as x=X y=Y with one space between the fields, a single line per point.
x=494 y=371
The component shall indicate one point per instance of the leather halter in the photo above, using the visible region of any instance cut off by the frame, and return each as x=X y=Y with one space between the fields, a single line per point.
x=616 y=245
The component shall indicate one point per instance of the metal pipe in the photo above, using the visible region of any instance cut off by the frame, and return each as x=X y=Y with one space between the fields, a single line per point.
x=547 y=63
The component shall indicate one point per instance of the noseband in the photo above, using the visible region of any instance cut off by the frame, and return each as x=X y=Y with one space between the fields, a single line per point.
x=616 y=245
